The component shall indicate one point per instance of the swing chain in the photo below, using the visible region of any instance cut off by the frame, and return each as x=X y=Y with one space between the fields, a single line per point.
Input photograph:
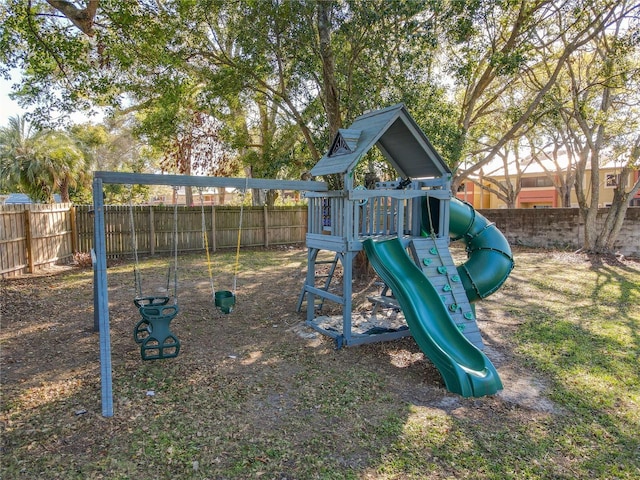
x=235 y=270
x=174 y=248
x=134 y=246
x=205 y=241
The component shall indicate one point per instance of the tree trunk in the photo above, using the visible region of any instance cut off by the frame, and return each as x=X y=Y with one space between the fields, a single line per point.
x=64 y=191
x=456 y=181
x=272 y=196
x=329 y=87
x=330 y=92
x=188 y=196
x=81 y=18
x=611 y=228
x=617 y=212
x=565 y=194
x=258 y=197
x=588 y=210
x=361 y=266
x=590 y=214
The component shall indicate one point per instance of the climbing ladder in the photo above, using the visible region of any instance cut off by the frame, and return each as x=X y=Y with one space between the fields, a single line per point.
x=319 y=301
x=433 y=257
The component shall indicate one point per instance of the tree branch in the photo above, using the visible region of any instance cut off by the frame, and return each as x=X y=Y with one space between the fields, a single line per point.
x=81 y=18
x=44 y=44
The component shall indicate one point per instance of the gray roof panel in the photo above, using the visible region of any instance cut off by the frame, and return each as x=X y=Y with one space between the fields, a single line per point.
x=400 y=140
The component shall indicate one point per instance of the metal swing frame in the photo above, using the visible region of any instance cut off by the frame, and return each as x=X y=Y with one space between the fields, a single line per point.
x=99 y=251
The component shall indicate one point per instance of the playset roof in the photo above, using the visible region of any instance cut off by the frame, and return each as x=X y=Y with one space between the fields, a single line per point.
x=398 y=137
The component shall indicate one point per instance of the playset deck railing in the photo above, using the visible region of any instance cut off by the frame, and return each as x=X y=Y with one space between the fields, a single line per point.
x=340 y=221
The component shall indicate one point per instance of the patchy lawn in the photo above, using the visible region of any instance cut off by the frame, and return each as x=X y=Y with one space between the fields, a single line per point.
x=255 y=394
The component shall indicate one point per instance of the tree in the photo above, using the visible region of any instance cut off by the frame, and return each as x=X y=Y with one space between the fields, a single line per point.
x=112 y=146
x=603 y=118
x=549 y=142
x=563 y=175
x=494 y=45
x=282 y=77
x=512 y=160
x=16 y=144
x=508 y=189
x=283 y=58
x=623 y=193
x=198 y=148
x=42 y=163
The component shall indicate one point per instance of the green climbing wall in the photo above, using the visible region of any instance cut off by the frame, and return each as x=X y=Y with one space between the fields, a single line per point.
x=432 y=255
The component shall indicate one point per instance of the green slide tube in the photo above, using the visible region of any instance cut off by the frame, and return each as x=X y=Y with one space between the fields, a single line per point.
x=465 y=369
x=490 y=260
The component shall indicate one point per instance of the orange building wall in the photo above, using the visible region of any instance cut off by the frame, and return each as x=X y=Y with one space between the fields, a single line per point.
x=538 y=196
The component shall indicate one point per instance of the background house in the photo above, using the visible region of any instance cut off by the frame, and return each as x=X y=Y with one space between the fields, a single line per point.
x=537 y=180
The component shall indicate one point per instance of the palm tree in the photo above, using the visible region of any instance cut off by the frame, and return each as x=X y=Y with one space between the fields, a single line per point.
x=16 y=145
x=58 y=162
x=39 y=163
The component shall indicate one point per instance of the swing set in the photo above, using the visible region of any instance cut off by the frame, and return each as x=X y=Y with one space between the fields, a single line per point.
x=152 y=331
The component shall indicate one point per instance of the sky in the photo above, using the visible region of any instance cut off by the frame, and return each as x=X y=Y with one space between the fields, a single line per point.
x=8 y=107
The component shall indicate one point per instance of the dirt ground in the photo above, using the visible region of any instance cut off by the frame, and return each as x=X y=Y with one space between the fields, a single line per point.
x=50 y=352
x=47 y=325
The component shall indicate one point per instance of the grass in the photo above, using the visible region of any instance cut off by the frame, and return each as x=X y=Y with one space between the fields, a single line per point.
x=247 y=398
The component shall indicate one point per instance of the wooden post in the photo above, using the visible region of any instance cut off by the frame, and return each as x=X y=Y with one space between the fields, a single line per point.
x=152 y=232
x=29 y=239
x=213 y=228
x=400 y=219
x=347 y=294
x=312 y=254
x=346 y=222
x=74 y=229
x=266 y=226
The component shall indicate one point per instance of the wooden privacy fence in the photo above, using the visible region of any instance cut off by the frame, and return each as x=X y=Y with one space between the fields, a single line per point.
x=35 y=236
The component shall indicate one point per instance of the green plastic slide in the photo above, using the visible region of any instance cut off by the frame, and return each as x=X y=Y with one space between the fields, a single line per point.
x=465 y=369
x=490 y=259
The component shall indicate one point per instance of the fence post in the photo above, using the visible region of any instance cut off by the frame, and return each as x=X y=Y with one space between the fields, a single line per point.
x=266 y=226
x=29 y=239
x=152 y=232
x=213 y=228
x=74 y=229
